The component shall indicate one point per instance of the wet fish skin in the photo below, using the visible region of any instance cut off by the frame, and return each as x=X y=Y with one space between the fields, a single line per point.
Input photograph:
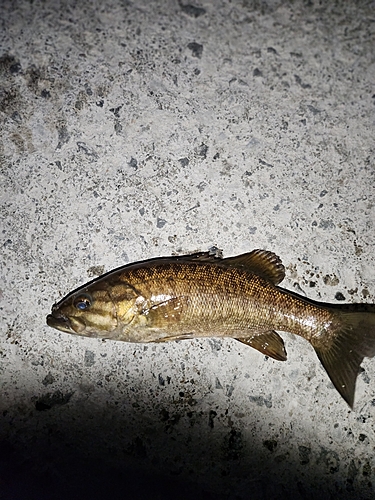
x=201 y=295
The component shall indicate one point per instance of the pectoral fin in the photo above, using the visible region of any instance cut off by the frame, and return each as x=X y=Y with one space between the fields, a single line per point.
x=269 y=343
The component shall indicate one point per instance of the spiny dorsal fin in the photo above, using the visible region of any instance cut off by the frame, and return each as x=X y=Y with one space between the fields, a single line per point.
x=213 y=255
x=261 y=262
x=269 y=343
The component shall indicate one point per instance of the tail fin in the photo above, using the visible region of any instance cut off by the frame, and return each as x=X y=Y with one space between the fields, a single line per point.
x=355 y=340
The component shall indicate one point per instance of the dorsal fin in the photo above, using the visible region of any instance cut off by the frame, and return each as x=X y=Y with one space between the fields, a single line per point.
x=261 y=262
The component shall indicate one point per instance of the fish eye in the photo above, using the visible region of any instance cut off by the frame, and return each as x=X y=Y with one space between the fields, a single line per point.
x=83 y=302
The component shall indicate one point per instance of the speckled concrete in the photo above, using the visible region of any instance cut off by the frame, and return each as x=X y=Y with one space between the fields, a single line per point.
x=136 y=129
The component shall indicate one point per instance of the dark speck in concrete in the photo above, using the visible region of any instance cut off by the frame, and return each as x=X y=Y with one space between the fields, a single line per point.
x=367 y=469
x=48 y=379
x=170 y=420
x=301 y=84
x=215 y=344
x=15 y=68
x=270 y=444
x=63 y=136
x=9 y=63
x=160 y=223
x=304 y=454
x=313 y=109
x=87 y=150
x=331 y=460
x=16 y=117
x=339 y=296
x=50 y=400
x=192 y=10
x=366 y=379
x=196 y=49
x=229 y=390
x=118 y=127
x=116 y=111
x=264 y=163
x=262 y=401
x=331 y=280
x=184 y=162
x=89 y=358
x=326 y=224
x=133 y=163
x=202 y=151
x=212 y=414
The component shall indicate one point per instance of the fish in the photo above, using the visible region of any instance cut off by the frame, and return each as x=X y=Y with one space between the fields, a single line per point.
x=205 y=295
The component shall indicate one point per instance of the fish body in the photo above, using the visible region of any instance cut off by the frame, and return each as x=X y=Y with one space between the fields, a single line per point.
x=202 y=295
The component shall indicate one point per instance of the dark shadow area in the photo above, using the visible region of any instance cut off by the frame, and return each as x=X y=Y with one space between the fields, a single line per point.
x=65 y=476
x=52 y=454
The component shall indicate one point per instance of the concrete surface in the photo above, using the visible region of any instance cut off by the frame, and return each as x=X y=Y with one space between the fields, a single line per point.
x=133 y=129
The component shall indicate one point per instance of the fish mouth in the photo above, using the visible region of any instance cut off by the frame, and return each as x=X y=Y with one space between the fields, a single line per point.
x=60 y=323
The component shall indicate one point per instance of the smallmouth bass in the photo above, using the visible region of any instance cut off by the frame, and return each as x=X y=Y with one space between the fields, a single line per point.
x=204 y=295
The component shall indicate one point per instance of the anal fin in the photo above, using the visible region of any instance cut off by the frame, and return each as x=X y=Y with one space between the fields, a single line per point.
x=268 y=343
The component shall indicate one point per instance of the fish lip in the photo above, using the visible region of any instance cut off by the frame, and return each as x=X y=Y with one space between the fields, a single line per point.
x=59 y=322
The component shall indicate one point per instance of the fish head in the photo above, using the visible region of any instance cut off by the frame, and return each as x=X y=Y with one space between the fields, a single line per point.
x=97 y=310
